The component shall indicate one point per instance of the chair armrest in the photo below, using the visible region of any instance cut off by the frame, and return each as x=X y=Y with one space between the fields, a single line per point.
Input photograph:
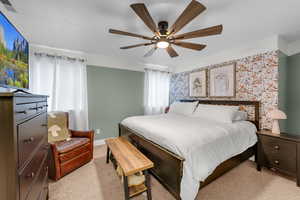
x=87 y=134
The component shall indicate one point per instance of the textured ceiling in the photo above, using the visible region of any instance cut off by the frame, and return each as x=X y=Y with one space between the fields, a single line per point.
x=83 y=25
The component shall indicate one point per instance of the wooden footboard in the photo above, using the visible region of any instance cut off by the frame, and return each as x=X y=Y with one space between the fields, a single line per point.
x=168 y=167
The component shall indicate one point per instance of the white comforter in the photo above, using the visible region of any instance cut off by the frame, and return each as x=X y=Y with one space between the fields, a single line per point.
x=204 y=144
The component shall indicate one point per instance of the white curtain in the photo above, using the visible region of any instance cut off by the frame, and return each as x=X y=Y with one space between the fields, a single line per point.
x=156 y=91
x=64 y=81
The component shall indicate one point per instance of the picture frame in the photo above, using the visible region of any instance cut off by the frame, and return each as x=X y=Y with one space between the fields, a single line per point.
x=198 y=83
x=222 y=81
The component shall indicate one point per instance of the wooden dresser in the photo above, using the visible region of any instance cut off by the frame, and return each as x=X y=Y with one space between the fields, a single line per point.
x=279 y=152
x=23 y=147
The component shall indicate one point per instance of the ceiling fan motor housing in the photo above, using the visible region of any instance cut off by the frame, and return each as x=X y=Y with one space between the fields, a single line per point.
x=163 y=27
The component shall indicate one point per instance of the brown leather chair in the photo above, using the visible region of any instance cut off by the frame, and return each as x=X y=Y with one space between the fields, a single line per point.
x=68 y=155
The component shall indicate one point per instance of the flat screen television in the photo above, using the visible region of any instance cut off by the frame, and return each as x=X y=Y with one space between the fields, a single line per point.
x=14 y=56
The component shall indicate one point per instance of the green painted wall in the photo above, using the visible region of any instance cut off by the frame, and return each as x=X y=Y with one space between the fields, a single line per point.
x=113 y=94
x=282 y=87
x=293 y=94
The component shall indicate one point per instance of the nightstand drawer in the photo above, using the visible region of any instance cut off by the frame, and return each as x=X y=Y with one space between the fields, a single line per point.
x=280 y=154
x=282 y=163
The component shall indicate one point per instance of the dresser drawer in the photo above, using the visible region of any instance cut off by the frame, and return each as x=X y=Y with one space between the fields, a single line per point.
x=31 y=173
x=26 y=100
x=44 y=194
x=24 y=111
x=30 y=134
x=45 y=190
x=279 y=154
x=40 y=183
x=42 y=107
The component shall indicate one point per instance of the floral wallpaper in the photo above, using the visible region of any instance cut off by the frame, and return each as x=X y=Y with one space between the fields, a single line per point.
x=256 y=80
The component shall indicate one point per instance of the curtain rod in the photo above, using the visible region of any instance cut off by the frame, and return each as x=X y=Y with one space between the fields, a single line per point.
x=59 y=56
x=157 y=70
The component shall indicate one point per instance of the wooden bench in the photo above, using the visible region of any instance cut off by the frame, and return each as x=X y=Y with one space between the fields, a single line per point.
x=131 y=161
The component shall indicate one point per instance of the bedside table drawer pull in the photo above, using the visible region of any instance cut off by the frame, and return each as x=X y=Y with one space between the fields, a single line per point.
x=29 y=140
x=276 y=162
x=273 y=169
x=276 y=147
x=31 y=175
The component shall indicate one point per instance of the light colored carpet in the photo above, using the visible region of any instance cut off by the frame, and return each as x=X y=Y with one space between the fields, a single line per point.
x=98 y=181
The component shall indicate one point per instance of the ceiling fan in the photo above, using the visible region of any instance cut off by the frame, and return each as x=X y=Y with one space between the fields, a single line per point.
x=7 y=4
x=164 y=36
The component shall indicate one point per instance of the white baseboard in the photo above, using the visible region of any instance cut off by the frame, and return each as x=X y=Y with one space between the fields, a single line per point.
x=99 y=142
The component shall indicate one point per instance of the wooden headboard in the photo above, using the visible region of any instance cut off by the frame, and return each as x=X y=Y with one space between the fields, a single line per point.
x=255 y=104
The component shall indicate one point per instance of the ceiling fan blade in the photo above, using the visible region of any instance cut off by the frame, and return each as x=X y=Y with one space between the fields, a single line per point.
x=189 y=45
x=7 y=4
x=137 y=45
x=150 y=53
x=171 y=51
x=192 y=10
x=215 y=30
x=113 y=31
x=141 y=10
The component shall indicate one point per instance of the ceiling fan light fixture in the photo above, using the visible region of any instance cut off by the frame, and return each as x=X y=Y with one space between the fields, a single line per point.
x=162 y=44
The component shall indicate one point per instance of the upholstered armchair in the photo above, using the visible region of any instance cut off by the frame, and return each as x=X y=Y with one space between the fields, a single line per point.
x=70 y=149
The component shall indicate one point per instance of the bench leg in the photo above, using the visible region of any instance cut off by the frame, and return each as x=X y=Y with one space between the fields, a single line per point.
x=148 y=184
x=126 y=189
x=107 y=155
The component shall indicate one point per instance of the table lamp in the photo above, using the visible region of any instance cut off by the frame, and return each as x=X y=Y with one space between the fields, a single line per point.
x=275 y=115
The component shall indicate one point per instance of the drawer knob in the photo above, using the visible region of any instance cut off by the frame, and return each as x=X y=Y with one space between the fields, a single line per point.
x=31 y=175
x=46 y=147
x=29 y=140
x=276 y=162
x=273 y=169
x=276 y=147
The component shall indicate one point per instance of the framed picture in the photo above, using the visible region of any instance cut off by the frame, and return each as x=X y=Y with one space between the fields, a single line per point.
x=198 y=82
x=222 y=81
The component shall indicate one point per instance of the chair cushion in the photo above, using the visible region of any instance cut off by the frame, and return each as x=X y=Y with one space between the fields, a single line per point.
x=69 y=145
x=64 y=157
x=58 y=126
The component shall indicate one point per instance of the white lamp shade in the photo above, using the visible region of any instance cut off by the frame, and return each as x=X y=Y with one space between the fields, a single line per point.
x=277 y=114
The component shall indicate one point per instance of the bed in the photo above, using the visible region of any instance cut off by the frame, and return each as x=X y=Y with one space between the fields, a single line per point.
x=175 y=155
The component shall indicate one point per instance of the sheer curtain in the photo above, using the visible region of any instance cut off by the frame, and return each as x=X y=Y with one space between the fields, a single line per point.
x=64 y=81
x=156 y=91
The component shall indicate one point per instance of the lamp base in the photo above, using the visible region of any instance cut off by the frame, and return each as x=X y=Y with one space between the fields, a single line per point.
x=275 y=128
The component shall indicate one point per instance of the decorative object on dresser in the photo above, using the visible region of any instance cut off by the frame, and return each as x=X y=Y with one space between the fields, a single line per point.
x=275 y=115
x=279 y=152
x=222 y=81
x=131 y=162
x=23 y=147
x=70 y=149
x=198 y=84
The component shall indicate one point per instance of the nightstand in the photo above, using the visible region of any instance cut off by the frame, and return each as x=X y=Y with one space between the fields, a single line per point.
x=279 y=152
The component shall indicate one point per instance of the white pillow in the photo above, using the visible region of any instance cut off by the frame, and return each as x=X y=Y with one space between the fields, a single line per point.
x=218 y=113
x=185 y=108
x=240 y=116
